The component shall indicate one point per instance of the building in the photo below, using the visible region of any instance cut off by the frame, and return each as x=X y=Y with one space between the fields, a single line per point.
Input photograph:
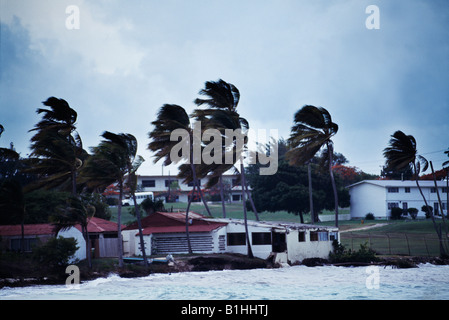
x=379 y=196
x=165 y=233
x=165 y=185
x=34 y=234
x=102 y=233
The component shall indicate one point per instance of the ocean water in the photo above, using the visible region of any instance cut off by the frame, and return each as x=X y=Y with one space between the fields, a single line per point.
x=291 y=283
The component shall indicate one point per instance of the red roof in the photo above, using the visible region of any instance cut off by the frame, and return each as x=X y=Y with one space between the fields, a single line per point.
x=96 y=225
x=174 y=222
x=29 y=229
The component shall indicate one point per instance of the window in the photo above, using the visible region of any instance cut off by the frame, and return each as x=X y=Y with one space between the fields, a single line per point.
x=148 y=183
x=444 y=190
x=28 y=244
x=190 y=184
x=393 y=205
x=433 y=190
x=261 y=238
x=169 y=182
x=393 y=190
x=236 y=239
x=333 y=236
x=407 y=189
x=301 y=236
x=235 y=197
x=319 y=236
x=404 y=206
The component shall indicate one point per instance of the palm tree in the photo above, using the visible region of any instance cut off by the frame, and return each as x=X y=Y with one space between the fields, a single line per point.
x=401 y=153
x=57 y=151
x=114 y=160
x=312 y=130
x=222 y=99
x=171 y=118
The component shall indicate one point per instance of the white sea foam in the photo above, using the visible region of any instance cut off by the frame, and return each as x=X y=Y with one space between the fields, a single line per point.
x=299 y=282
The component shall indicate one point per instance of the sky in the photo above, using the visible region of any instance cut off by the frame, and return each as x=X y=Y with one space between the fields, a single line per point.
x=117 y=62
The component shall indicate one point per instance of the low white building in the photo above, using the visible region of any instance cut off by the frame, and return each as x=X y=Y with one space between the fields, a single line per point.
x=379 y=196
x=288 y=242
x=159 y=185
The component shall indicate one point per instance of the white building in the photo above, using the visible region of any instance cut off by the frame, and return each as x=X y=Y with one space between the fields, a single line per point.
x=159 y=185
x=379 y=196
x=288 y=242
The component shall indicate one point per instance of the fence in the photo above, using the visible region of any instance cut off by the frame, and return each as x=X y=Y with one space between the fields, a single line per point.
x=412 y=244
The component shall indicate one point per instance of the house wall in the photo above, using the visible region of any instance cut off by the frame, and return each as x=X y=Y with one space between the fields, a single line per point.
x=298 y=251
x=368 y=198
x=377 y=199
x=73 y=232
x=260 y=251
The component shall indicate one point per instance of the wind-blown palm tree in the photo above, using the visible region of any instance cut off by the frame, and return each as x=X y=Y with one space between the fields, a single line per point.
x=402 y=152
x=170 y=118
x=312 y=130
x=115 y=160
x=221 y=100
x=57 y=151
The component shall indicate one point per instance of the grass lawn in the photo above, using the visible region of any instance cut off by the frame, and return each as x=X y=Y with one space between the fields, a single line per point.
x=233 y=210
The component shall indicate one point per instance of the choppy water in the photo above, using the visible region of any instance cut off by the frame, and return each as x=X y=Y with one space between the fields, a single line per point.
x=298 y=282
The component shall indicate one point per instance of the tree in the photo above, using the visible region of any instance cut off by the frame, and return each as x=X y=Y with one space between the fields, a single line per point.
x=401 y=153
x=221 y=100
x=172 y=118
x=312 y=130
x=57 y=151
x=115 y=160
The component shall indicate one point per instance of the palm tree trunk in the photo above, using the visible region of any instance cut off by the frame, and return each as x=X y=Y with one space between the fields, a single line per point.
x=334 y=187
x=442 y=253
x=309 y=174
x=87 y=239
x=189 y=244
x=252 y=202
x=250 y=252
x=223 y=205
x=119 y=228
x=139 y=225
x=439 y=200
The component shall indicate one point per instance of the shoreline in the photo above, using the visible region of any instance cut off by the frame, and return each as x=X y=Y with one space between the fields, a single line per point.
x=200 y=263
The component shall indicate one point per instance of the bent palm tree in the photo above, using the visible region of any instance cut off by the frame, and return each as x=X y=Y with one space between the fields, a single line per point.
x=403 y=153
x=172 y=118
x=115 y=160
x=312 y=130
x=222 y=99
x=57 y=151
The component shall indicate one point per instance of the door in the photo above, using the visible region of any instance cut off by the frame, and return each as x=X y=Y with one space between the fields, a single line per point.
x=279 y=243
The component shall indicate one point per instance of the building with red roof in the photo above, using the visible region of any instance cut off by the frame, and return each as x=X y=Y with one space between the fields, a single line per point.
x=165 y=232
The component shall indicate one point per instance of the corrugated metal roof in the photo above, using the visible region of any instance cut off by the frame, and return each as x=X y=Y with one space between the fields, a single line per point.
x=174 y=222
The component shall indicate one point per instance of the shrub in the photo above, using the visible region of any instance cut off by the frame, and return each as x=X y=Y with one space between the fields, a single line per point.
x=424 y=209
x=56 y=252
x=341 y=254
x=369 y=216
x=396 y=213
x=413 y=212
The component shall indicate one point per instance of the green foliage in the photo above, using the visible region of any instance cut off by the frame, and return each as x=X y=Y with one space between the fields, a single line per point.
x=428 y=210
x=341 y=254
x=56 y=252
x=369 y=216
x=413 y=212
x=396 y=213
